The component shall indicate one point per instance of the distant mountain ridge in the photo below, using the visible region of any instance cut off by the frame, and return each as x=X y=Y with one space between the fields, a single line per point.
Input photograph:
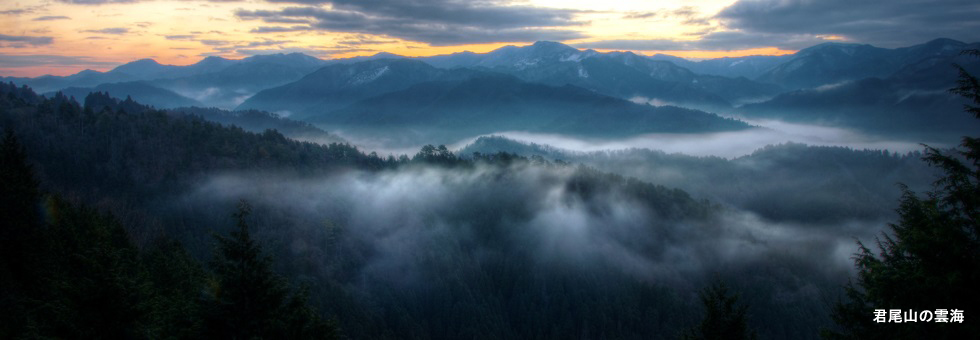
x=213 y=81
x=487 y=102
x=305 y=87
x=336 y=86
x=912 y=100
x=619 y=74
x=831 y=63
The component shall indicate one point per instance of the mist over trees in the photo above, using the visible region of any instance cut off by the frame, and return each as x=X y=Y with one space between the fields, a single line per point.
x=320 y=229
x=120 y=218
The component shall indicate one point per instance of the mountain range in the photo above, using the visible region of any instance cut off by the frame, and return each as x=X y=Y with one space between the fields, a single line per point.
x=850 y=85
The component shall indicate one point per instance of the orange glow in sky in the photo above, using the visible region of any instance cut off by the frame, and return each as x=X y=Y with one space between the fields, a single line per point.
x=60 y=37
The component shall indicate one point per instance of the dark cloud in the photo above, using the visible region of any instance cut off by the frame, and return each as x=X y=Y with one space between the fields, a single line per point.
x=111 y=30
x=286 y=21
x=279 y=29
x=18 y=40
x=49 y=18
x=711 y=41
x=886 y=23
x=50 y=60
x=436 y=22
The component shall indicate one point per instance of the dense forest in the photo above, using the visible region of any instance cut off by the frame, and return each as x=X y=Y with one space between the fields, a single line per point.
x=127 y=221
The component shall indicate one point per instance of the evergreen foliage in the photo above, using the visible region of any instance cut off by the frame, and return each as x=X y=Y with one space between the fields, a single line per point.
x=248 y=300
x=724 y=316
x=931 y=258
x=76 y=273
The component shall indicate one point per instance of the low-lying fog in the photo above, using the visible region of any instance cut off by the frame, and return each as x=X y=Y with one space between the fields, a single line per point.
x=406 y=213
x=721 y=144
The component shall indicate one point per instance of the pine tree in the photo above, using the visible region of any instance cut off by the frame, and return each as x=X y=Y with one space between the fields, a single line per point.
x=724 y=317
x=250 y=300
x=931 y=258
x=20 y=230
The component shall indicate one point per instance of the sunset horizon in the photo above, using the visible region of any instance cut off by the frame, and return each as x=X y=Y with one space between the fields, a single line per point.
x=64 y=37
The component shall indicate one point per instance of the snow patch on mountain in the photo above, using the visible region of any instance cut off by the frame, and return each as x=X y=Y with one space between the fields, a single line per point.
x=367 y=77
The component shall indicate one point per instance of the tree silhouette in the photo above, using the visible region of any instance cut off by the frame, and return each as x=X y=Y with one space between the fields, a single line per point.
x=931 y=258
x=20 y=233
x=724 y=317
x=249 y=299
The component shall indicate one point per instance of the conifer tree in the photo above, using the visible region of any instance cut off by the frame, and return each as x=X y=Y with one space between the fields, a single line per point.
x=724 y=317
x=930 y=261
x=249 y=299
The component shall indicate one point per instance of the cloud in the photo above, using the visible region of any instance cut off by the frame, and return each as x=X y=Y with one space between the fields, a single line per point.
x=111 y=30
x=17 y=11
x=97 y=2
x=267 y=43
x=641 y=15
x=210 y=42
x=285 y=50
x=279 y=29
x=18 y=40
x=335 y=51
x=436 y=22
x=711 y=41
x=364 y=40
x=685 y=12
x=886 y=23
x=286 y=21
x=22 y=11
x=51 y=60
x=720 y=144
x=49 y=18
x=180 y=37
x=402 y=213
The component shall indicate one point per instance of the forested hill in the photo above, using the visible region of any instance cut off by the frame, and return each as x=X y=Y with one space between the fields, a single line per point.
x=537 y=249
x=125 y=147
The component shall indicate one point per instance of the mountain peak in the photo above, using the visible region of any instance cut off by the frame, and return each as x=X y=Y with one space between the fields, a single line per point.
x=87 y=72
x=547 y=43
x=212 y=60
x=552 y=46
x=144 y=61
x=385 y=55
x=944 y=43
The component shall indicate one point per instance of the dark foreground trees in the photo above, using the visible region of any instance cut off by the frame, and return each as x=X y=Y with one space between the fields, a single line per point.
x=249 y=300
x=724 y=316
x=69 y=271
x=929 y=264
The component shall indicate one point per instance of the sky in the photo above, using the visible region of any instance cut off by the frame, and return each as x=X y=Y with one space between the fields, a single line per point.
x=62 y=37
